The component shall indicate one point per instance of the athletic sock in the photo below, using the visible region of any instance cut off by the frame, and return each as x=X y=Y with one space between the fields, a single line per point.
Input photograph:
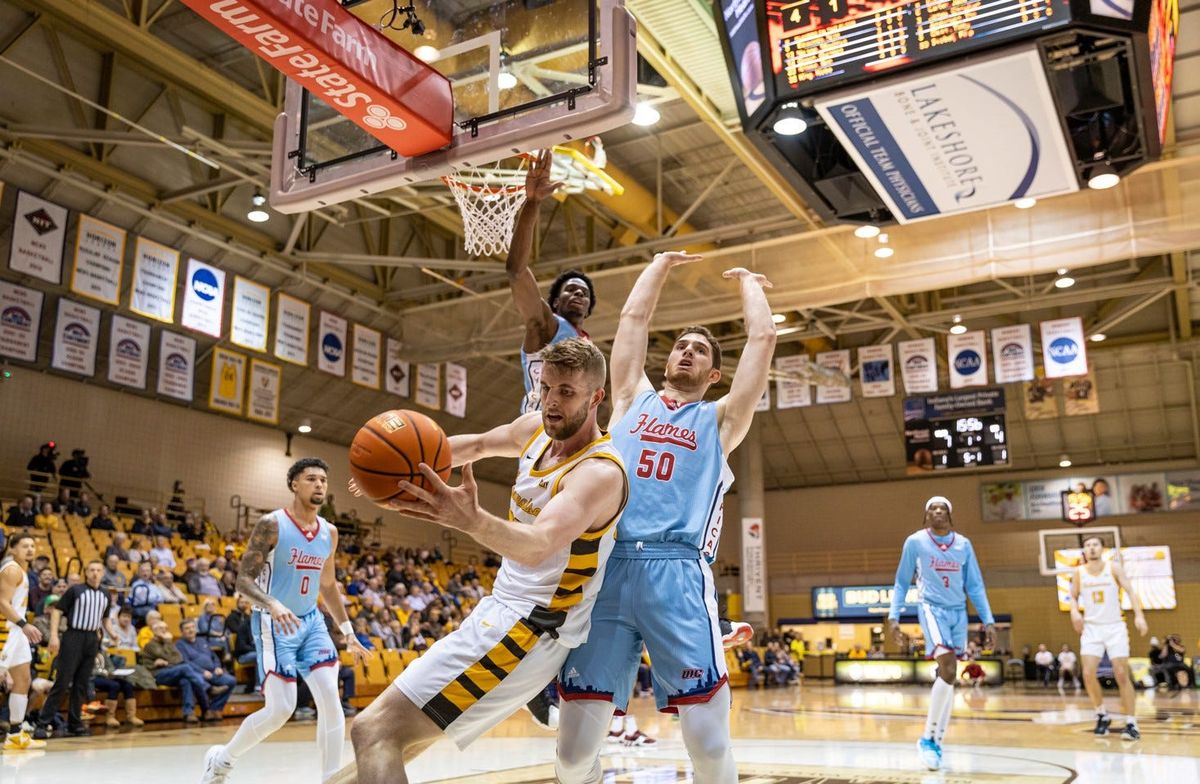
x=941 y=695
x=1131 y=722
x=630 y=724
x=17 y=704
x=945 y=724
x=1102 y=712
x=618 y=721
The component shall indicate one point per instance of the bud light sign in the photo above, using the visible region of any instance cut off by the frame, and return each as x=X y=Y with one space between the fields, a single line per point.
x=1063 y=351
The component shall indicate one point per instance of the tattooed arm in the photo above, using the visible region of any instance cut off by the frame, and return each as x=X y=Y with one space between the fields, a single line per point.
x=263 y=539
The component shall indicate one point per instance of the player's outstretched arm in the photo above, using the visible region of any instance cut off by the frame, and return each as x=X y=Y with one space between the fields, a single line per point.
x=331 y=597
x=1139 y=618
x=535 y=312
x=977 y=592
x=735 y=411
x=503 y=441
x=263 y=539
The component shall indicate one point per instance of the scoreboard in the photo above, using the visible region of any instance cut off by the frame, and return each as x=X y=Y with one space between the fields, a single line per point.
x=956 y=430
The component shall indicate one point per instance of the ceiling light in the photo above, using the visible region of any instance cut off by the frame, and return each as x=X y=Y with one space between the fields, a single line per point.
x=866 y=232
x=778 y=318
x=1098 y=337
x=789 y=121
x=1024 y=204
x=957 y=319
x=1103 y=176
x=257 y=214
x=958 y=329
x=645 y=114
x=1064 y=461
x=305 y=426
x=427 y=53
x=1064 y=282
x=506 y=80
x=884 y=252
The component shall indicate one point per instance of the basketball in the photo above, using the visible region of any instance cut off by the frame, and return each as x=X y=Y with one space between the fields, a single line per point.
x=388 y=449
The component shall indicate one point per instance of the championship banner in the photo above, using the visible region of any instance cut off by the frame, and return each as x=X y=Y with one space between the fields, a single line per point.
x=364 y=367
x=875 y=371
x=1040 y=399
x=75 y=337
x=266 y=380
x=398 y=371
x=39 y=231
x=840 y=361
x=1063 y=350
x=331 y=344
x=968 y=359
x=99 y=253
x=228 y=382
x=176 y=365
x=1012 y=353
x=203 y=298
x=20 y=321
x=128 y=352
x=291 y=330
x=155 y=269
x=251 y=314
x=754 y=566
x=918 y=366
x=427 y=386
x=1080 y=397
x=789 y=392
x=456 y=390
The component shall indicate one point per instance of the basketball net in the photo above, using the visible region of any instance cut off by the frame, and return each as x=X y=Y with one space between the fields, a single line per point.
x=489 y=200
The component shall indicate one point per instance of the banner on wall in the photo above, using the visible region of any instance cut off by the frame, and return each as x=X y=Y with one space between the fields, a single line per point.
x=266 y=380
x=1002 y=501
x=249 y=323
x=364 y=367
x=76 y=336
x=228 y=382
x=427 y=386
x=789 y=392
x=291 y=330
x=398 y=371
x=39 y=233
x=839 y=361
x=1142 y=493
x=176 y=365
x=331 y=344
x=456 y=390
x=155 y=270
x=203 y=298
x=918 y=366
x=20 y=321
x=99 y=254
x=1040 y=398
x=1080 y=396
x=875 y=371
x=967 y=354
x=1012 y=353
x=1063 y=349
x=128 y=352
x=754 y=582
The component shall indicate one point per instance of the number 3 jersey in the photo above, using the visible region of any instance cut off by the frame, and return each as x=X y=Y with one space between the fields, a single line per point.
x=292 y=573
x=947 y=573
x=677 y=471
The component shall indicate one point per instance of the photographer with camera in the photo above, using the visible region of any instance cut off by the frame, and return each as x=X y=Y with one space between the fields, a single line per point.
x=73 y=473
x=42 y=468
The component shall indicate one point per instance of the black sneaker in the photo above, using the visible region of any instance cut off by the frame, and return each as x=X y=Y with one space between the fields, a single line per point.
x=539 y=708
x=1130 y=733
x=42 y=733
x=1102 y=724
x=79 y=732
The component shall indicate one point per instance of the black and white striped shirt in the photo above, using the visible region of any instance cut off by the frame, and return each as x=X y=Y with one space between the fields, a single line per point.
x=84 y=607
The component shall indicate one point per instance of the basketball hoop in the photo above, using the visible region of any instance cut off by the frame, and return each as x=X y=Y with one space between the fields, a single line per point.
x=489 y=200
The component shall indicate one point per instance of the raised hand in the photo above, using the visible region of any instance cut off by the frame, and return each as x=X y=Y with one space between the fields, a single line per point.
x=537 y=180
x=674 y=258
x=452 y=507
x=741 y=273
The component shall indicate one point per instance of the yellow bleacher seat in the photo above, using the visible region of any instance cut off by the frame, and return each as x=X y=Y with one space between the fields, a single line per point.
x=374 y=670
x=378 y=643
x=409 y=656
x=129 y=654
x=192 y=610
x=346 y=658
x=393 y=662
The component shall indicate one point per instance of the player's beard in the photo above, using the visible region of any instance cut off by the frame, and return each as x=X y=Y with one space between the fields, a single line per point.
x=568 y=427
x=316 y=499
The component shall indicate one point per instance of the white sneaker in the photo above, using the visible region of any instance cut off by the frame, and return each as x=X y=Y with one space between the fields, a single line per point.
x=638 y=738
x=214 y=771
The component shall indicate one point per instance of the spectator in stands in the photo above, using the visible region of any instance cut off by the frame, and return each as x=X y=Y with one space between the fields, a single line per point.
x=62 y=501
x=48 y=520
x=74 y=472
x=103 y=520
x=327 y=509
x=113 y=577
x=857 y=652
x=166 y=663
x=176 y=508
x=203 y=583
x=362 y=633
x=1044 y=660
x=106 y=680
x=189 y=529
x=238 y=625
x=229 y=582
x=144 y=593
x=372 y=597
x=22 y=515
x=138 y=551
x=751 y=663
x=81 y=506
x=119 y=547
x=210 y=626
x=1174 y=663
x=417 y=599
x=358 y=585
x=40 y=590
x=171 y=594
x=142 y=525
x=159 y=525
x=123 y=634
x=876 y=652
x=197 y=653
x=1068 y=666
x=162 y=553
x=42 y=468
x=778 y=669
x=146 y=633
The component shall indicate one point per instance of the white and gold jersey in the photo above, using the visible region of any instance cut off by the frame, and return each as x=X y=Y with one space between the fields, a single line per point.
x=20 y=597
x=559 y=592
x=1099 y=596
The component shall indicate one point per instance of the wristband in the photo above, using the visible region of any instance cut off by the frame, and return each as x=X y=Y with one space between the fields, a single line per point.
x=22 y=623
x=346 y=628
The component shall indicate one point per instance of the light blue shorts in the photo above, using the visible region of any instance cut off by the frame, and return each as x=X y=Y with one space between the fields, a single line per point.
x=945 y=629
x=299 y=653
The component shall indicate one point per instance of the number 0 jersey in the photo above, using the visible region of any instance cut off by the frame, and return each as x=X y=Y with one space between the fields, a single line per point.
x=1099 y=595
x=292 y=573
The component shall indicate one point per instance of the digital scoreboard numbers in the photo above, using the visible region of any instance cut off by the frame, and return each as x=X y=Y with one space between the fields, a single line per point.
x=956 y=430
x=818 y=43
x=969 y=441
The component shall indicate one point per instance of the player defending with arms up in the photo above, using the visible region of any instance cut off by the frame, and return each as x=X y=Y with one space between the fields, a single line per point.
x=947 y=573
x=17 y=638
x=1096 y=614
x=288 y=564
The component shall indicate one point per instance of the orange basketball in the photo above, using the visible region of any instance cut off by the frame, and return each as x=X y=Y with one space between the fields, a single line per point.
x=388 y=449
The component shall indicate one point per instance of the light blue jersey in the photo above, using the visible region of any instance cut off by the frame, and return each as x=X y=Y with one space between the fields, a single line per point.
x=293 y=569
x=531 y=365
x=947 y=573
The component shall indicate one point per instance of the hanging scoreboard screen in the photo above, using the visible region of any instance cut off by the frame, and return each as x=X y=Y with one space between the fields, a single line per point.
x=816 y=44
x=955 y=430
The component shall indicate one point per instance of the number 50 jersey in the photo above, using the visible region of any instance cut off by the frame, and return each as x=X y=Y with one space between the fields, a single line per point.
x=292 y=572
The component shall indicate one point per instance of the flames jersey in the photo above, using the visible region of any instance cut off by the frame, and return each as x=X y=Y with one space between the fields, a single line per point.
x=947 y=573
x=677 y=471
x=531 y=365
x=1100 y=596
x=292 y=572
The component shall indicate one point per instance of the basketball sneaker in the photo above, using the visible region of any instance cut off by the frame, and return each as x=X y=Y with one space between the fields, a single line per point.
x=930 y=753
x=1102 y=725
x=638 y=738
x=21 y=741
x=1131 y=733
x=214 y=771
x=734 y=633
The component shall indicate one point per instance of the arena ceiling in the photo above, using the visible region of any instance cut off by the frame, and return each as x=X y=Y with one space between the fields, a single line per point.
x=394 y=261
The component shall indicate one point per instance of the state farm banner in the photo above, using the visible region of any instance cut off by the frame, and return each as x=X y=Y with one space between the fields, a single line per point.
x=1012 y=353
x=839 y=361
x=76 y=336
x=99 y=254
x=364 y=365
x=128 y=352
x=792 y=390
x=918 y=365
x=250 y=317
x=155 y=270
x=20 y=321
x=331 y=344
x=176 y=365
x=754 y=566
x=427 y=386
x=456 y=389
x=876 y=372
x=39 y=231
x=266 y=381
x=203 y=298
x=343 y=61
x=228 y=382
x=968 y=359
x=1063 y=350
x=291 y=329
x=397 y=371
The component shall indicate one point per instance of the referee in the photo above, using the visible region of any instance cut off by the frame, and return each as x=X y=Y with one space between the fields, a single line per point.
x=86 y=606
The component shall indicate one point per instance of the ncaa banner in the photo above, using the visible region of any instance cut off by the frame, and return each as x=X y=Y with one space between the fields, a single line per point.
x=364 y=365
x=918 y=365
x=1012 y=353
x=99 y=253
x=291 y=330
x=75 y=338
x=20 y=321
x=1063 y=350
x=754 y=566
x=155 y=269
x=228 y=382
x=875 y=372
x=791 y=391
x=960 y=138
x=39 y=232
x=839 y=361
x=176 y=365
x=968 y=359
x=427 y=386
x=128 y=352
x=331 y=344
x=251 y=314
x=203 y=298
x=395 y=378
x=265 y=382
x=456 y=390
